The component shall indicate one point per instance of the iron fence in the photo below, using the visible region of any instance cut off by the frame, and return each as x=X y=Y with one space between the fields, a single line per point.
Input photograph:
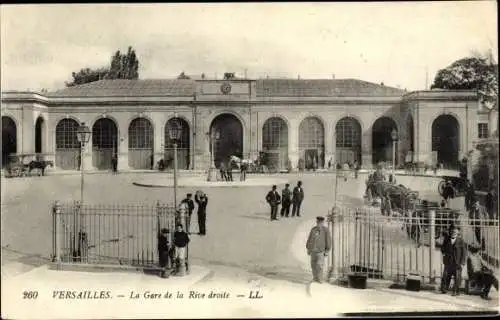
x=111 y=234
x=391 y=247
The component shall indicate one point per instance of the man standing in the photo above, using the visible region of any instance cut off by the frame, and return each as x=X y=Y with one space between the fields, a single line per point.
x=454 y=252
x=114 y=163
x=222 y=169
x=478 y=218
x=243 y=171
x=202 y=201
x=318 y=245
x=229 y=170
x=273 y=198
x=286 y=199
x=297 y=198
x=489 y=204
x=190 y=205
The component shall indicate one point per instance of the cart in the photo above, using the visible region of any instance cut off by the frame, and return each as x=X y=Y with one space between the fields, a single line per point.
x=459 y=185
x=16 y=166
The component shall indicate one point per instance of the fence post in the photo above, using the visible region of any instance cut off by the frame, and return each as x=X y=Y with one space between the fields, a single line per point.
x=56 y=235
x=432 y=245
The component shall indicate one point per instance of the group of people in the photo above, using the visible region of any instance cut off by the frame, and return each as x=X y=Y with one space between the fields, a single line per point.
x=288 y=198
x=456 y=256
x=175 y=255
x=226 y=171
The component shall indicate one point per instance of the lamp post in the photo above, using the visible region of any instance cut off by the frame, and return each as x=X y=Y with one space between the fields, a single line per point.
x=394 y=137
x=175 y=132
x=83 y=134
x=212 y=171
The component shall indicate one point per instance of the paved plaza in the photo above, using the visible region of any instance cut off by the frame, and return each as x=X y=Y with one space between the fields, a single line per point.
x=242 y=247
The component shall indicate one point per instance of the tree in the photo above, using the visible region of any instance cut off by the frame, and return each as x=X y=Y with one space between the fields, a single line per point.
x=479 y=72
x=123 y=66
x=87 y=75
x=183 y=76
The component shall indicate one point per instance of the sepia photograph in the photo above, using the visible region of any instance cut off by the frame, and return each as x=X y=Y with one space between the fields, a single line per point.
x=249 y=160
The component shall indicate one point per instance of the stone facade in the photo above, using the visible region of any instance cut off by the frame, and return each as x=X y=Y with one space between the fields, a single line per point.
x=199 y=102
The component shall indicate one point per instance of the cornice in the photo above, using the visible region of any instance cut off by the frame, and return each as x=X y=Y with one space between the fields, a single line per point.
x=440 y=95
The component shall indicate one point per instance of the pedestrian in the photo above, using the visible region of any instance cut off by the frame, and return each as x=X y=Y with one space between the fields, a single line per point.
x=356 y=169
x=489 y=204
x=151 y=162
x=346 y=170
x=181 y=240
x=454 y=251
x=478 y=217
x=190 y=206
x=297 y=198
x=163 y=251
x=229 y=170
x=202 y=201
x=318 y=245
x=273 y=199
x=470 y=195
x=480 y=273
x=243 y=171
x=222 y=169
x=448 y=192
x=286 y=200
x=114 y=163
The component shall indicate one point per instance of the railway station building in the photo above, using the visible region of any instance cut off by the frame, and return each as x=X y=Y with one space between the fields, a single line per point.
x=293 y=121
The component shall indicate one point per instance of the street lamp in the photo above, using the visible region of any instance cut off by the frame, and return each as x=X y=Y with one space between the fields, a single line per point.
x=212 y=171
x=83 y=134
x=175 y=132
x=394 y=137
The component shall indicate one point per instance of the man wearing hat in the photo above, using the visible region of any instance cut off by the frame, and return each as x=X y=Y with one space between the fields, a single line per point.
x=190 y=204
x=286 y=200
x=202 y=201
x=274 y=199
x=297 y=198
x=454 y=252
x=318 y=245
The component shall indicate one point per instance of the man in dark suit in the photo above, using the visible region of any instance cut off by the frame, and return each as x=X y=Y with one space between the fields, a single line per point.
x=190 y=204
x=274 y=199
x=286 y=199
x=297 y=198
x=454 y=251
x=202 y=201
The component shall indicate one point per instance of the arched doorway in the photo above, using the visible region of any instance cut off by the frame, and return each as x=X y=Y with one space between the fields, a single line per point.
x=446 y=140
x=382 y=140
x=104 y=143
x=275 y=143
x=183 y=145
x=9 y=138
x=230 y=140
x=67 y=145
x=140 y=144
x=348 y=141
x=39 y=138
x=312 y=143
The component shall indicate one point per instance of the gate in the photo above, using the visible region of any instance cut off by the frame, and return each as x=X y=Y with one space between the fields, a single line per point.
x=110 y=234
x=390 y=248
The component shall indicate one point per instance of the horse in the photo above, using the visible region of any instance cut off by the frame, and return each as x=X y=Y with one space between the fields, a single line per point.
x=238 y=161
x=40 y=165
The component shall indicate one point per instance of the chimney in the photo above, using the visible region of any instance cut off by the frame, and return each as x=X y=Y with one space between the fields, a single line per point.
x=333 y=76
x=202 y=76
x=381 y=83
x=298 y=76
x=246 y=73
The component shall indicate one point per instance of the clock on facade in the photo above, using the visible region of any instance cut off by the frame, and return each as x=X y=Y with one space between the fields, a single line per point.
x=225 y=88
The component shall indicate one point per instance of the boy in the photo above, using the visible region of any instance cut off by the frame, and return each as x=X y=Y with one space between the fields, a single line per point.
x=181 y=240
x=163 y=251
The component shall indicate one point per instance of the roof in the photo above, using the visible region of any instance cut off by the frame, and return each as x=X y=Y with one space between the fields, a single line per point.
x=265 y=87
x=320 y=88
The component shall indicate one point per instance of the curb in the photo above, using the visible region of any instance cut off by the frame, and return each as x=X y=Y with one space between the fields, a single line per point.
x=197 y=274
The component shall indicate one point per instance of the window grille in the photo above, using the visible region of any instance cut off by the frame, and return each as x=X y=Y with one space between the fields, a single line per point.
x=275 y=134
x=311 y=134
x=482 y=130
x=66 y=137
x=348 y=133
x=104 y=134
x=140 y=134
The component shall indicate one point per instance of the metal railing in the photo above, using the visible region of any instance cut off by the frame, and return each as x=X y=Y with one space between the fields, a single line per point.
x=391 y=247
x=125 y=234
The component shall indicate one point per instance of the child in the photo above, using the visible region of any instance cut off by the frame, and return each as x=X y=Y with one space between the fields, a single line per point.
x=163 y=251
x=181 y=240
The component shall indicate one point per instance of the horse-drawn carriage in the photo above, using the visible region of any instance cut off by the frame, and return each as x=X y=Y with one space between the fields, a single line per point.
x=459 y=185
x=18 y=165
x=417 y=221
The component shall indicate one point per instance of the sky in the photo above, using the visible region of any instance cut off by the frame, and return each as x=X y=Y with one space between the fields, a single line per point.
x=402 y=44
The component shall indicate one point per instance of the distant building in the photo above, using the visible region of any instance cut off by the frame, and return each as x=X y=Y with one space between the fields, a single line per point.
x=313 y=120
